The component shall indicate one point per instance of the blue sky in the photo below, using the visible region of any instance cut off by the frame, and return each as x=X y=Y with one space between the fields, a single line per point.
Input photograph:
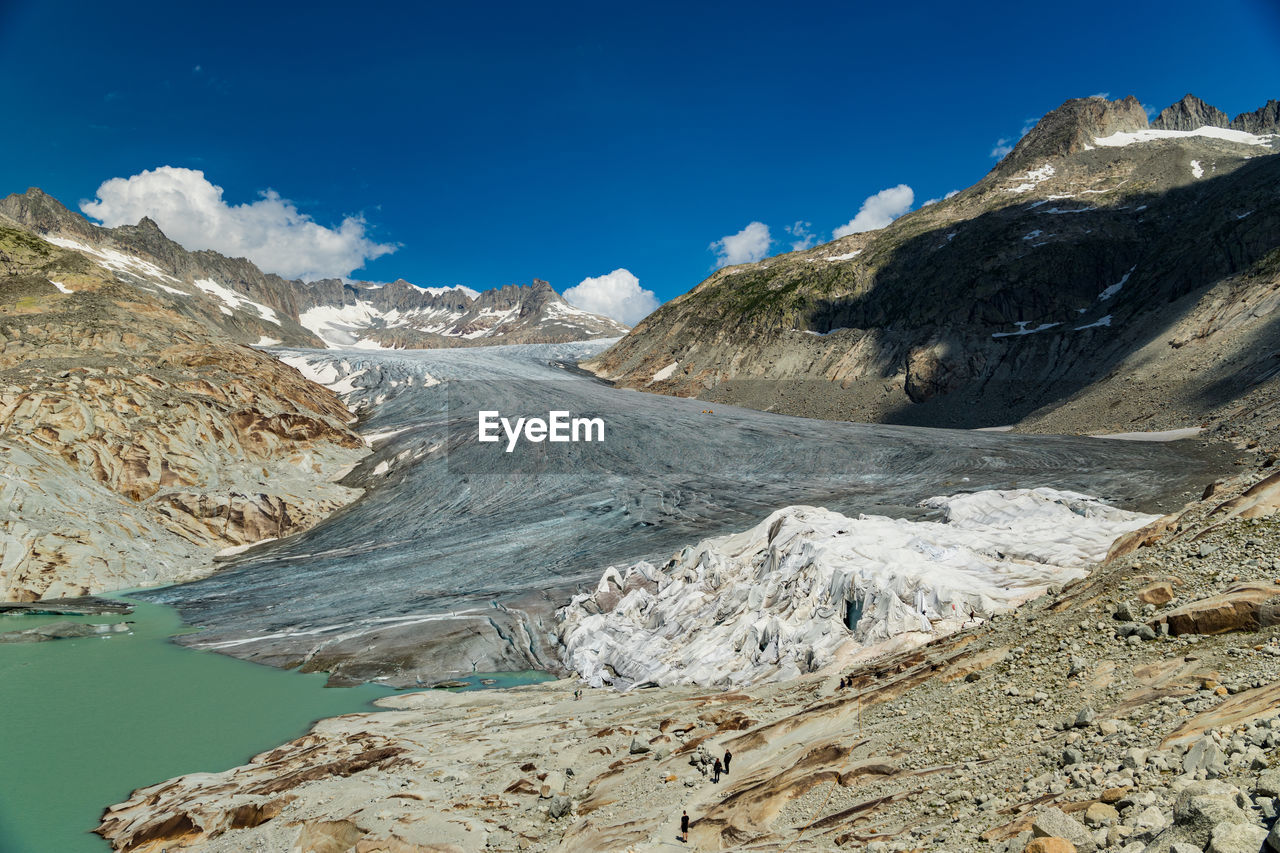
x=492 y=143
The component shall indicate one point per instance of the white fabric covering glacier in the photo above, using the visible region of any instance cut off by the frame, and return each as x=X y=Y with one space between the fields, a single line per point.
x=771 y=603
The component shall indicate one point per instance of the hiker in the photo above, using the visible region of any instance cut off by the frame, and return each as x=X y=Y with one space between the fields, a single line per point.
x=728 y=756
x=715 y=771
x=684 y=827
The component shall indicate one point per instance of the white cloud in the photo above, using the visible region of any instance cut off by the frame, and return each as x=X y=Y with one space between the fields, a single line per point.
x=805 y=238
x=617 y=295
x=271 y=231
x=878 y=211
x=1001 y=148
x=936 y=200
x=1101 y=95
x=747 y=246
x=1005 y=144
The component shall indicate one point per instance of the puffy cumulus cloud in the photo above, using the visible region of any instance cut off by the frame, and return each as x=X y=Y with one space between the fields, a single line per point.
x=804 y=237
x=879 y=210
x=271 y=231
x=617 y=295
x=747 y=246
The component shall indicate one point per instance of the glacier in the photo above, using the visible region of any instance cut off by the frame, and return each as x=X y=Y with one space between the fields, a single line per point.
x=808 y=587
x=456 y=559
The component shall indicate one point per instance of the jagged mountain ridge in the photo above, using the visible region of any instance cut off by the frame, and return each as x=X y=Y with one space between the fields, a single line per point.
x=261 y=308
x=400 y=315
x=1097 y=234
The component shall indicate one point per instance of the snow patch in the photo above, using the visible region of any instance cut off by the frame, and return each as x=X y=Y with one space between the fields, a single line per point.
x=1032 y=179
x=62 y=287
x=264 y=341
x=845 y=256
x=1197 y=171
x=1119 y=140
x=234 y=301
x=664 y=373
x=1112 y=290
x=114 y=260
x=1023 y=330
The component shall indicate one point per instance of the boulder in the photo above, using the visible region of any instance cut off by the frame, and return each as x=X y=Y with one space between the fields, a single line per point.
x=560 y=806
x=1157 y=593
x=1049 y=844
x=1242 y=607
x=1202 y=806
x=1100 y=814
x=1205 y=755
x=1236 y=838
x=1055 y=823
x=1268 y=784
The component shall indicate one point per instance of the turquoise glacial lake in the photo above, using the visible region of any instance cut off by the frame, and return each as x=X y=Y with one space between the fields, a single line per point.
x=85 y=721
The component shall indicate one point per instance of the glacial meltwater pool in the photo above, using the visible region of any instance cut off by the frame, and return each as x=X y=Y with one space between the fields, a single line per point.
x=85 y=721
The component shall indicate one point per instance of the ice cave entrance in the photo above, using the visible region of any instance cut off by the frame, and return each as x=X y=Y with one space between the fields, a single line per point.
x=852 y=613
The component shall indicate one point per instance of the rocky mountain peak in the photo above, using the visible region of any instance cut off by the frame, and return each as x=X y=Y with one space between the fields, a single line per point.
x=38 y=211
x=1190 y=113
x=1072 y=127
x=1260 y=121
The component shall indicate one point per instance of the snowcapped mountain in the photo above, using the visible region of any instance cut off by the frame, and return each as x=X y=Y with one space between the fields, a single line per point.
x=1109 y=270
x=401 y=315
x=262 y=309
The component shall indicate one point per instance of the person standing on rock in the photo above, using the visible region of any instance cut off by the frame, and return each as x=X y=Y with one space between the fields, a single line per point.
x=728 y=756
x=684 y=827
x=715 y=771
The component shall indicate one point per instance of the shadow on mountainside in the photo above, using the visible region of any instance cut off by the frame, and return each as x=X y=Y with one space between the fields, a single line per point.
x=998 y=316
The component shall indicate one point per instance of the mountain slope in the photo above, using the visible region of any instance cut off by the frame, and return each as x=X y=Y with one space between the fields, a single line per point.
x=1090 y=240
x=259 y=308
x=136 y=440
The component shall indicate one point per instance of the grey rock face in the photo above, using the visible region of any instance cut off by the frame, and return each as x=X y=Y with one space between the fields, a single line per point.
x=1260 y=121
x=1190 y=113
x=1073 y=126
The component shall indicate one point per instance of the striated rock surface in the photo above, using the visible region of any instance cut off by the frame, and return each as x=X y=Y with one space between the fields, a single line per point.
x=136 y=440
x=807 y=587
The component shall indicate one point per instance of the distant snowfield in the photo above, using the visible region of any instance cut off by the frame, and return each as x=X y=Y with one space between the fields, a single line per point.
x=232 y=301
x=345 y=326
x=776 y=601
x=1119 y=140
